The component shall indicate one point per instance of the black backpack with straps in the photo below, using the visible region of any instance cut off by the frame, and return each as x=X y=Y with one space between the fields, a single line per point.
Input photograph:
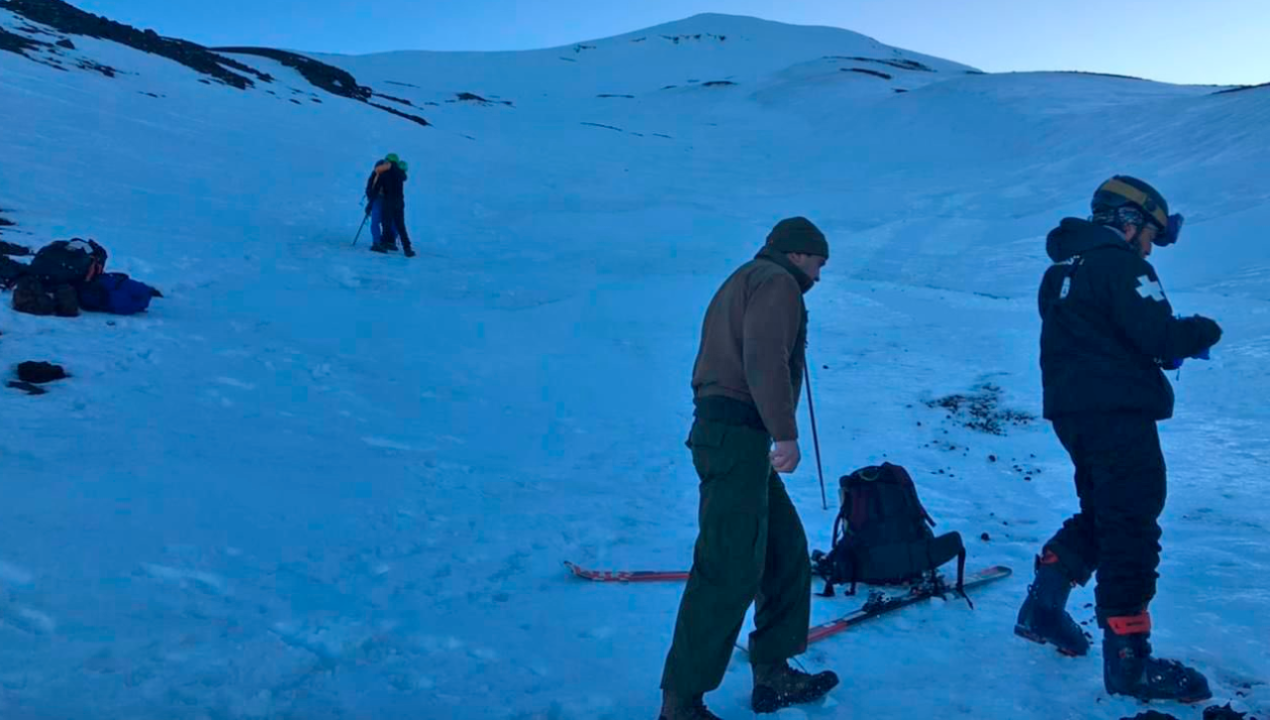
x=883 y=535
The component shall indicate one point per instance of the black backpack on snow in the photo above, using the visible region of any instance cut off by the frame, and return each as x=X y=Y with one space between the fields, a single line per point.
x=882 y=535
x=68 y=262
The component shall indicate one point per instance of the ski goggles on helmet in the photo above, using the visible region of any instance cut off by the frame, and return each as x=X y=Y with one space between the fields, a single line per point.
x=1170 y=233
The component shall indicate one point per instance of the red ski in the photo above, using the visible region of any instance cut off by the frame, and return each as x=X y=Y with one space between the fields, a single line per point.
x=627 y=575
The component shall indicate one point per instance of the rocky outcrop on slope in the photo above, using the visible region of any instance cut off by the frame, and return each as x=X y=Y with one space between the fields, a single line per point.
x=66 y=19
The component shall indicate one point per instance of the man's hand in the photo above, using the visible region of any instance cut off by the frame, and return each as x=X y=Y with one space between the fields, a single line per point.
x=785 y=456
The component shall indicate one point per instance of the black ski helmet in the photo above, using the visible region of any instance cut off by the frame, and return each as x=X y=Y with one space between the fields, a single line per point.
x=1125 y=191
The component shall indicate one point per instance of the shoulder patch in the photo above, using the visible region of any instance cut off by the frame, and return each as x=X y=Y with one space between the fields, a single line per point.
x=1150 y=289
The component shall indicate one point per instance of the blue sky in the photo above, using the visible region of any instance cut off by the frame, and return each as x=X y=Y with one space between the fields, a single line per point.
x=1185 y=41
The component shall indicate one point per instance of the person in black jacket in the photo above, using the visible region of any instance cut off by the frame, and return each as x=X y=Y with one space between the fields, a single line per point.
x=1107 y=333
x=386 y=191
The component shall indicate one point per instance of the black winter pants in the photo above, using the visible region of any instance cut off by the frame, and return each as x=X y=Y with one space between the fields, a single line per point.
x=1120 y=480
x=396 y=212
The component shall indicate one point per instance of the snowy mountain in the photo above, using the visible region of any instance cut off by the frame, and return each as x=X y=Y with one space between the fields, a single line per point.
x=316 y=482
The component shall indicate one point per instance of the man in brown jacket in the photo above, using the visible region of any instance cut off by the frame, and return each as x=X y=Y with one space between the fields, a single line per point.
x=751 y=545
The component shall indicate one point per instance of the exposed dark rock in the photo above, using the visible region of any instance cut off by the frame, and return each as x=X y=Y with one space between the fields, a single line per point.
x=28 y=387
x=1224 y=712
x=901 y=64
x=609 y=95
x=326 y=77
x=40 y=372
x=607 y=127
x=676 y=39
x=71 y=20
x=412 y=118
x=1243 y=88
x=403 y=101
x=394 y=82
x=106 y=70
x=864 y=71
x=717 y=83
x=14 y=43
x=473 y=97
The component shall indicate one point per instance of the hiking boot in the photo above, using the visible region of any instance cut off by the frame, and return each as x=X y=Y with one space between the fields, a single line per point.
x=674 y=707
x=379 y=248
x=409 y=252
x=1043 y=617
x=777 y=685
x=1129 y=669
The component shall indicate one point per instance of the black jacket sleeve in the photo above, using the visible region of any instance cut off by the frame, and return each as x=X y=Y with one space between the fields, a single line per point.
x=1143 y=314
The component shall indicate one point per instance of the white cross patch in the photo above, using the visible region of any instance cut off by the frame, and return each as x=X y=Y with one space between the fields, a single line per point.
x=1148 y=288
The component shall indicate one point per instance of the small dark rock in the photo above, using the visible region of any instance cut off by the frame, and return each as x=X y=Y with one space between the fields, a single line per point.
x=40 y=372
x=985 y=537
x=992 y=458
x=1220 y=712
x=1150 y=715
x=28 y=387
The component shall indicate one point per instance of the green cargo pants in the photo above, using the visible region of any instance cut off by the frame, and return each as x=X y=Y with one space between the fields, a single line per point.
x=750 y=547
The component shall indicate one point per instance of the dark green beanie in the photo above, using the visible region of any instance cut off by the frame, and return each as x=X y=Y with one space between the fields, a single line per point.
x=798 y=235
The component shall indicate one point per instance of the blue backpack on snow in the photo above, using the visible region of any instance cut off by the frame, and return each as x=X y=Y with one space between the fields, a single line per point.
x=116 y=293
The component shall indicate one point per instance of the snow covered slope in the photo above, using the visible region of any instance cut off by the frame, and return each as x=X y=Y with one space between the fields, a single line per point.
x=314 y=482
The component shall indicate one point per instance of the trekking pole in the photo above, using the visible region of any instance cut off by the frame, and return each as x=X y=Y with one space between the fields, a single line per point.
x=811 y=408
x=359 y=229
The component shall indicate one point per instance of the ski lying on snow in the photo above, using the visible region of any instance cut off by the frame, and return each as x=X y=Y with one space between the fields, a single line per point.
x=880 y=603
x=627 y=575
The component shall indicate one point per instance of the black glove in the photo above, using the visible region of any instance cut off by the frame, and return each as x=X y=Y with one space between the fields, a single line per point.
x=1209 y=330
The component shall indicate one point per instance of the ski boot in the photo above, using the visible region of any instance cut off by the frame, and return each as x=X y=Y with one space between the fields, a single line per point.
x=777 y=685
x=379 y=248
x=1129 y=668
x=1043 y=617
x=674 y=707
